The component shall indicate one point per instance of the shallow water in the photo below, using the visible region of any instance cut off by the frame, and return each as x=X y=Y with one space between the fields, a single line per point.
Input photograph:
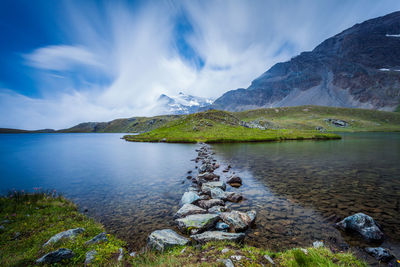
x=299 y=189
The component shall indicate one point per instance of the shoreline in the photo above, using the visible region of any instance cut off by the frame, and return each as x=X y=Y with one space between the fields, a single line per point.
x=113 y=251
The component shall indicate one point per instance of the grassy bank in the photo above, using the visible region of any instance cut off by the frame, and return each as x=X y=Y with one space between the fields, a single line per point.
x=216 y=126
x=29 y=220
x=310 y=117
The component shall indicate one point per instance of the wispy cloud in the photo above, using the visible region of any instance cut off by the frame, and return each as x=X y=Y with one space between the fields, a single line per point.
x=62 y=57
x=118 y=58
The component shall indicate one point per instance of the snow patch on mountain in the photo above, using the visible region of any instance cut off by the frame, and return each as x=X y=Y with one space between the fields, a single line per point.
x=182 y=103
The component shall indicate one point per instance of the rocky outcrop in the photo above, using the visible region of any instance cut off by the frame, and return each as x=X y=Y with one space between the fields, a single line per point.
x=237 y=220
x=381 y=254
x=197 y=223
x=189 y=209
x=218 y=236
x=90 y=255
x=56 y=256
x=69 y=234
x=102 y=237
x=355 y=68
x=164 y=239
x=363 y=225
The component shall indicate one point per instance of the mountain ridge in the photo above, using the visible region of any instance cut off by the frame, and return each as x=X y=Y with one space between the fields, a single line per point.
x=357 y=68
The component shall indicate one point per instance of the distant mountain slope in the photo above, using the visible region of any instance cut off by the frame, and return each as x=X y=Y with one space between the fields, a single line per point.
x=130 y=125
x=359 y=67
x=181 y=104
x=300 y=117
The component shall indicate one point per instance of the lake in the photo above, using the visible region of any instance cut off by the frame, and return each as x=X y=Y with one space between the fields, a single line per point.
x=299 y=188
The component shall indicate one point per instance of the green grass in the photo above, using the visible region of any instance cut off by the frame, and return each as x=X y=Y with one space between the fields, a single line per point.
x=210 y=255
x=216 y=126
x=34 y=218
x=309 y=117
x=38 y=216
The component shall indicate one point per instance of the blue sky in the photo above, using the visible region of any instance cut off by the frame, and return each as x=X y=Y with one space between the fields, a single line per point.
x=65 y=62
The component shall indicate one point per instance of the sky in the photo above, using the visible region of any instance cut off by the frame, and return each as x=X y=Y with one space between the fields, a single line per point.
x=66 y=62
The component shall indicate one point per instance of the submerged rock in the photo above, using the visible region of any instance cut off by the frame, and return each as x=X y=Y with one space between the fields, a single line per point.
x=234 y=180
x=56 y=256
x=189 y=198
x=69 y=234
x=234 y=197
x=166 y=238
x=197 y=223
x=206 y=187
x=98 y=238
x=218 y=236
x=237 y=220
x=362 y=224
x=189 y=209
x=206 y=204
x=381 y=254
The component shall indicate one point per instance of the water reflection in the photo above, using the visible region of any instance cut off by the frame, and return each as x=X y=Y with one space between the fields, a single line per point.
x=301 y=189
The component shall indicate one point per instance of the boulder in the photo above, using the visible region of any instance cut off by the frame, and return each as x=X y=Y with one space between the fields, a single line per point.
x=197 y=223
x=102 y=237
x=221 y=226
x=218 y=236
x=189 y=198
x=234 y=197
x=206 y=187
x=206 y=167
x=164 y=239
x=234 y=180
x=217 y=209
x=206 y=204
x=381 y=254
x=362 y=224
x=90 y=256
x=237 y=220
x=207 y=176
x=69 y=234
x=56 y=256
x=217 y=193
x=189 y=209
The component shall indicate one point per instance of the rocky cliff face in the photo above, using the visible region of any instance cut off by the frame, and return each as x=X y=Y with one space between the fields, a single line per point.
x=359 y=67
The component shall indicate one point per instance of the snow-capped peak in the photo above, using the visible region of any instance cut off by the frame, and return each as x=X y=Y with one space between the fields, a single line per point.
x=182 y=103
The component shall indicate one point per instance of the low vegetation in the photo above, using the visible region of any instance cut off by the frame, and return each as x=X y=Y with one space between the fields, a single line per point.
x=216 y=253
x=216 y=126
x=29 y=220
x=310 y=117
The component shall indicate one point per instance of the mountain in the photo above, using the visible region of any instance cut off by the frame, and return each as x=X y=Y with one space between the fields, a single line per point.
x=181 y=104
x=359 y=67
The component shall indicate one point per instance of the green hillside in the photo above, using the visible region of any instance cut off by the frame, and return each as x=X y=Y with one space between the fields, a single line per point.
x=216 y=126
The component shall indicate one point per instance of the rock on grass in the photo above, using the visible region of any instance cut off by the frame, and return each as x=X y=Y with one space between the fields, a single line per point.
x=164 y=239
x=56 y=256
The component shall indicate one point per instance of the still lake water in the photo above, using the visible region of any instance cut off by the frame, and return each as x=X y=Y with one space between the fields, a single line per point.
x=299 y=188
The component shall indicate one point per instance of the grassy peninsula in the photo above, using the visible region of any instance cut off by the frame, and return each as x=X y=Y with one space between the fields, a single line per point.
x=29 y=220
x=215 y=126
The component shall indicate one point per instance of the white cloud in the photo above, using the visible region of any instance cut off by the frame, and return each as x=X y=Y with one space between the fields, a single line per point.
x=134 y=47
x=61 y=57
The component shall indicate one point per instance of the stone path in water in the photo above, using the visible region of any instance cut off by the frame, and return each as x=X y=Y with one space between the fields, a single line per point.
x=203 y=215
